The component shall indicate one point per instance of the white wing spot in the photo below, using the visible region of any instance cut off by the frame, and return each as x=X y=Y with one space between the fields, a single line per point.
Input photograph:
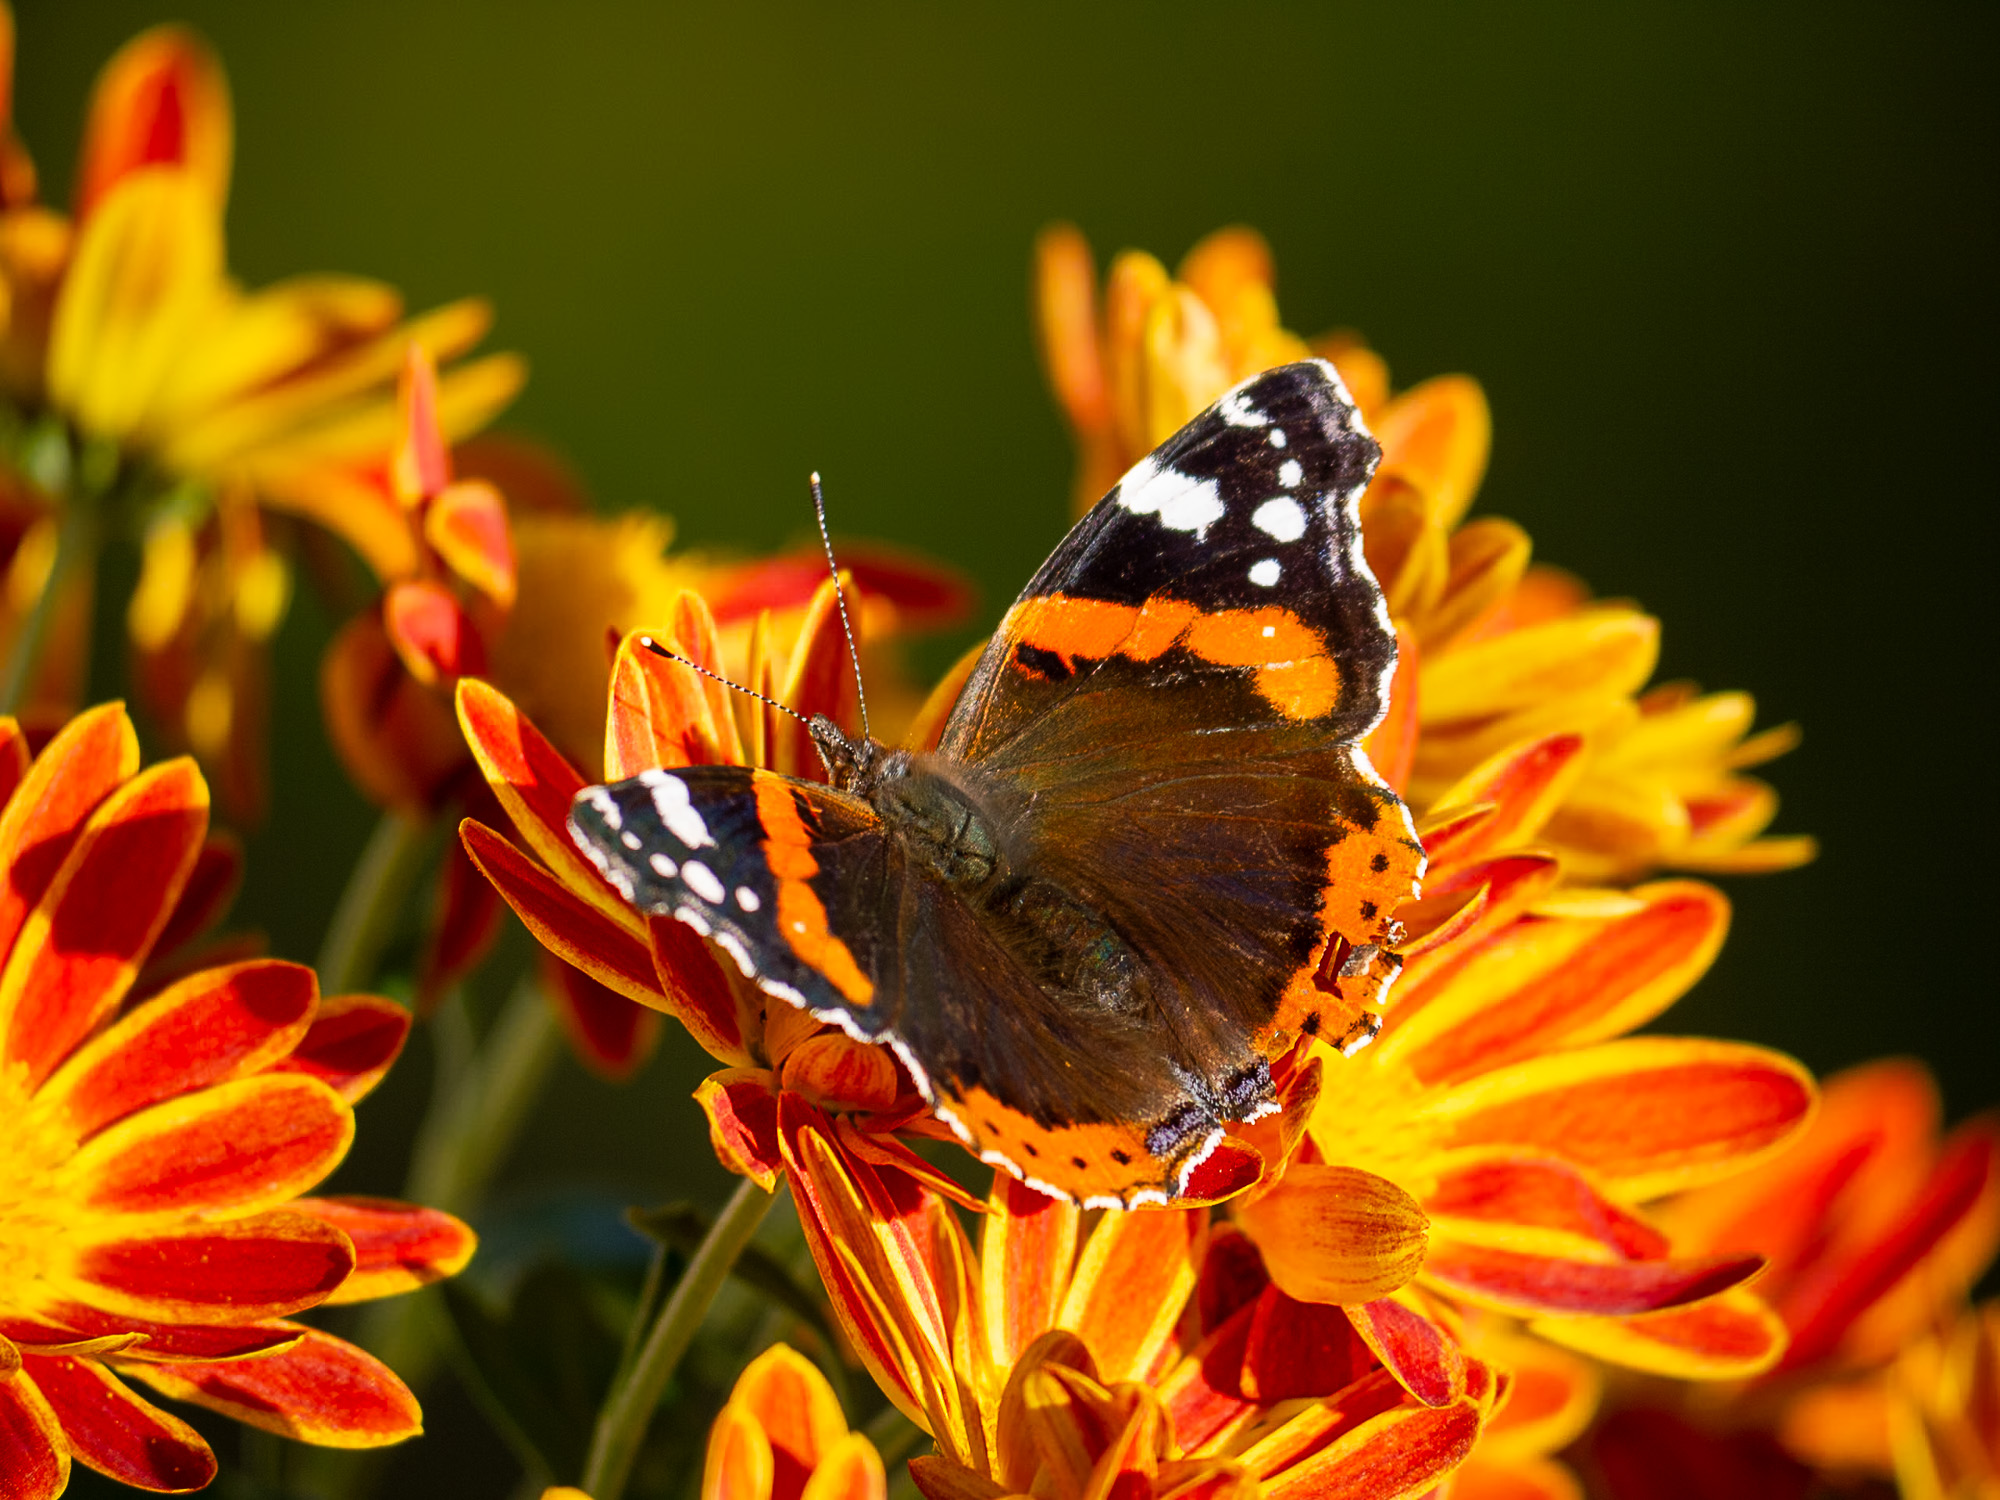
x=729 y=944
x=701 y=880
x=1277 y=437
x=1182 y=502
x=663 y=867
x=1269 y=631
x=1290 y=473
x=607 y=807
x=670 y=800
x=693 y=919
x=747 y=898
x=629 y=839
x=1281 y=518
x=1265 y=573
x=1238 y=412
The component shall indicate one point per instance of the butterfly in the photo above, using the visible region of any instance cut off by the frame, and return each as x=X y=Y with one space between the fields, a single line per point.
x=1147 y=858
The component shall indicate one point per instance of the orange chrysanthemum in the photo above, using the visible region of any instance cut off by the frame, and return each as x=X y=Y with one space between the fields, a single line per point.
x=1945 y=1420
x=1875 y=1230
x=1147 y=1355
x=1500 y=651
x=159 y=1134
x=134 y=363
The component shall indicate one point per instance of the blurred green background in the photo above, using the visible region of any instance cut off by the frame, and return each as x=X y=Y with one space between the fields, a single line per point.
x=1725 y=272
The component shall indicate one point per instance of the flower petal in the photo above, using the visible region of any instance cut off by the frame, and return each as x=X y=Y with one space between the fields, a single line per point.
x=1730 y=1337
x=234 y=1272
x=1506 y=1193
x=818 y=680
x=1528 y=1282
x=609 y=1033
x=659 y=715
x=835 y=1070
x=1544 y=984
x=1436 y=435
x=211 y=886
x=238 y=1146
x=850 y=1470
x=1026 y=1249
x=321 y=1390
x=1391 y=746
x=351 y=1043
x=1645 y=1116
x=434 y=635
x=1299 y=1349
x=464 y=924
x=117 y=1433
x=535 y=785
x=1424 y=1358
x=1400 y=1452
x=743 y=1123
x=790 y=1400
x=161 y=100
x=1523 y=784
x=34 y=1456
x=1605 y=649
x=215 y=1025
x=72 y=1321
x=398 y=1247
x=739 y=1465
x=1134 y=1276
x=1336 y=1234
x=467 y=525
x=82 y=945
x=89 y=756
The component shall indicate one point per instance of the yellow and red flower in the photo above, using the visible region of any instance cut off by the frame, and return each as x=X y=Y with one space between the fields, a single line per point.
x=1146 y=1354
x=1875 y=1230
x=782 y=1437
x=134 y=360
x=160 y=1135
x=1498 y=651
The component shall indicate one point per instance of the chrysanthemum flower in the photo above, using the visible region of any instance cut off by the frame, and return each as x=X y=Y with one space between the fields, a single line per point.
x=1146 y=1354
x=1945 y=1420
x=133 y=362
x=1875 y=1230
x=1498 y=651
x=1501 y=1100
x=158 y=1141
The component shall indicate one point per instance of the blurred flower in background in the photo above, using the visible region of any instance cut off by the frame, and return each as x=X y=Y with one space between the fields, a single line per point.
x=145 y=391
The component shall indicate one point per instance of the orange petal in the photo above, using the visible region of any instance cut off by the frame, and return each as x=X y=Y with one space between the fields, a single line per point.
x=215 y=1025
x=1550 y=1399
x=833 y=1069
x=433 y=635
x=162 y=100
x=118 y=1434
x=850 y=1470
x=34 y=1456
x=818 y=680
x=535 y=785
x=1645 y=1116
x=659 y=715
x=1545 y=984
x=1526 y=1282
x=350 y=1045
x=235 y=1272
x=153 y=1342
x=1066 y=322
x=1424 y=1358
x=211 y=887
x=239 y=1146
x=14 y=756
x=1508 y=1190
x=561 y=920
x=1392 y=745
x=421 y=464
x=1299 y=1349
x=81 y=947
x=610 y=1034
x=1027 y=1247
x=467 y=526
x=742 y=1115
x=739 y=1465
x=1523 y=784
x=398 y=1247
x=697 y=992
x=790 y=1400
x=1730 y=1337
x=1436 y=435
x=941 y=1479
x=1487 y=559
x=1336 y=1234
x=1134 y=1276
x=321 y=1390
x=1402 y=1452
x=89 y=755
x=394 y=736
x=464 y=924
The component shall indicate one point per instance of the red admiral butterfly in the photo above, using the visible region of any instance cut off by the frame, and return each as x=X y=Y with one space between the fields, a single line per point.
x=1148 y=856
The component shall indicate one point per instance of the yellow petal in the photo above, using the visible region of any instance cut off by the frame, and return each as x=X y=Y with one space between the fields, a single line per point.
x=1609 y=649
x=1336 y=1234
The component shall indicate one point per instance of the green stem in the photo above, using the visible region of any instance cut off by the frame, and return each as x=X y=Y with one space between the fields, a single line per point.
x=374 y=898
x=76 y=552
x=623 y=1419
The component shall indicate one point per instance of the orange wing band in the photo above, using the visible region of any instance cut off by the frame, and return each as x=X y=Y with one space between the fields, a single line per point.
x=801 y=914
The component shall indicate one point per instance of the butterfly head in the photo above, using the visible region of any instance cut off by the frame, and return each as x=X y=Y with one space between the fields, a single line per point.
x=850 y=764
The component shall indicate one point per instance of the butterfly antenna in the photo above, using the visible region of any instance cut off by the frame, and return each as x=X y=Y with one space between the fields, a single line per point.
x=840 y=596
x=658 y=650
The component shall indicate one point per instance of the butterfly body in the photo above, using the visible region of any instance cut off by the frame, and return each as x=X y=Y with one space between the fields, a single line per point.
x=1146 y=859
